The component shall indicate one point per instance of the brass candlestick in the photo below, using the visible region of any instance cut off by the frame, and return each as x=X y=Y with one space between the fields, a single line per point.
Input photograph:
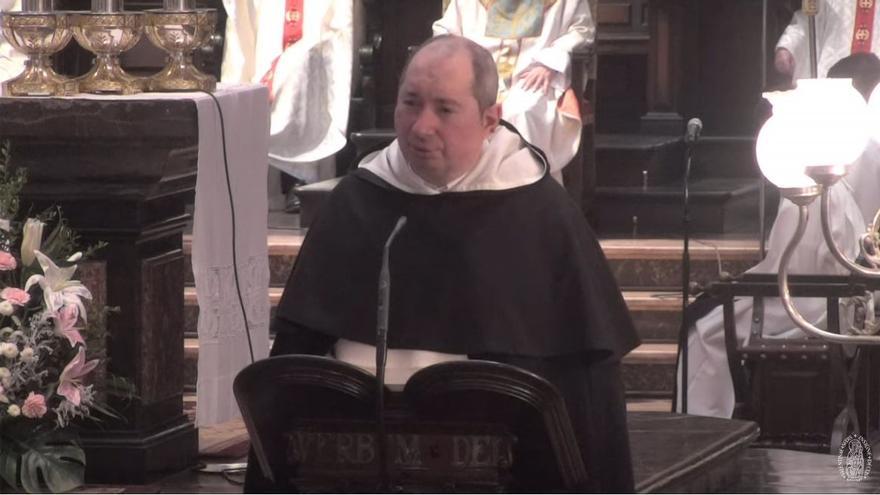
x=179 y=28
x=108 y=31
x=38 y=32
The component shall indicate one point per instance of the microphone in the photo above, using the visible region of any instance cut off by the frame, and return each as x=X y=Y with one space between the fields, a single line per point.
x=384 y=300
x=694 y=128
x=382 y=353
x=691 y=136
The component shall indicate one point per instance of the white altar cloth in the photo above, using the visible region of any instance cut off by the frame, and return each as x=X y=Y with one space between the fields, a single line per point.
x=223 y=344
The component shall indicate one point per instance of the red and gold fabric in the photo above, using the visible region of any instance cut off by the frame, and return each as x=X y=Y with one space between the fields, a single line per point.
x=863 y=29
x=293 y=32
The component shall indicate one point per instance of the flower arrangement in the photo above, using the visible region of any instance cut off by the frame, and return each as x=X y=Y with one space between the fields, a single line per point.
x=44 y=360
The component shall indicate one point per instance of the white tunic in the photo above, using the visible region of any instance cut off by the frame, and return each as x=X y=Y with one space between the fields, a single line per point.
x=504 y=164
x=568 y=25
x=834 y=33
x=11 y=61
x=312 y=82
x=710 y=388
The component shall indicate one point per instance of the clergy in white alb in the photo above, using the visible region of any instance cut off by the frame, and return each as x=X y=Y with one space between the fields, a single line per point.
x=531 y=42
x=303 y=52
x=843 y=27
x=853 y=202
x=710 y=388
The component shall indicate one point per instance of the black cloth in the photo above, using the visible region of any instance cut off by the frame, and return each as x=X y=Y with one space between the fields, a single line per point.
x=513 y=276
x=514 y=272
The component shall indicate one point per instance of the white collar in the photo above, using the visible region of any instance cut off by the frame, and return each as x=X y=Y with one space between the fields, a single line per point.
x=505 y=163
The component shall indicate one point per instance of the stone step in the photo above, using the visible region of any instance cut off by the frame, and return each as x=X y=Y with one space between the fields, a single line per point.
x=636 y=263
x=648 y=371
x=717 y=206
x=283 y=246
x=656 y=263
x=652 y=264
x=637 y=159
x=656 y=314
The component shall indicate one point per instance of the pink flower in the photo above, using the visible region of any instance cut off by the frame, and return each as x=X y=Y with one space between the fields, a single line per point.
x=15 y=295
x=70 y=383
x=34 y=406
x=7 y=261
x=65 y=324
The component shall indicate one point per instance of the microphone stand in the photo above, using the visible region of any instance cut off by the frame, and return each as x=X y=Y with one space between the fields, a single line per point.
x=762 y=189
x=811 y=9
x=685 y=273
x=381 y=355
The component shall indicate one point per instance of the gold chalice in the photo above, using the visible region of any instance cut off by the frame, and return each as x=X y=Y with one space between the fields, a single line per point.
x=108 y=35
x=179 y=32
x=38 y=35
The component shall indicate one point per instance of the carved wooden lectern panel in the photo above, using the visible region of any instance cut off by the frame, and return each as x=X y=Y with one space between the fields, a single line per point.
x=472 y=426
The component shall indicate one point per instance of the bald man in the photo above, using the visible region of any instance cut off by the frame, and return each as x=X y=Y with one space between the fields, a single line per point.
x=495 y=262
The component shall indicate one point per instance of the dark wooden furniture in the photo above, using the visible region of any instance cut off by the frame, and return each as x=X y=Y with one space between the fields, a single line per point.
x=676 y=453
x=461 y=426
x=805 y=393
x=661 y=63
x=123 y=171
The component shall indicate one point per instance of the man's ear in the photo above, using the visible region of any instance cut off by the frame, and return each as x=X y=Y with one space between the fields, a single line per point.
x=491 y=117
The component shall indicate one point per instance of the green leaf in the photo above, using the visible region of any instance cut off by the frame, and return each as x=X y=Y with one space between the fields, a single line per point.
x=61 y=466
x=9 y=467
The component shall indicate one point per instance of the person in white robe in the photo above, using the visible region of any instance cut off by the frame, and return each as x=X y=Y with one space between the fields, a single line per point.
x=531 y=42
x=835 y=31
x=853 y=201
x=11 y=60
x=309 y=76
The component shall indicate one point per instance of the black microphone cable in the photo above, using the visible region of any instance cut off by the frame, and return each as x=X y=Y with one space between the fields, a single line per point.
x=247 y=327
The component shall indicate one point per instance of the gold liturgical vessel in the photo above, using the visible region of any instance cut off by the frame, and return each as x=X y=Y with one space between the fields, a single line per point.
x=108 y=31
x=179 y=28
x=38 y=32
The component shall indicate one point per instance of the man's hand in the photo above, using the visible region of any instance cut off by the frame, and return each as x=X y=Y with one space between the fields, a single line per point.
x=536 y=78
x=784 y=62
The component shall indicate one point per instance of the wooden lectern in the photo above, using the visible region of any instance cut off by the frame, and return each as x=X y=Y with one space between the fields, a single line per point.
x=471 y=426
x=123 y=171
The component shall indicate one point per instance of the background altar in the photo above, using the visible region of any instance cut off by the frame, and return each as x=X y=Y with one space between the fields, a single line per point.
x=123 y=169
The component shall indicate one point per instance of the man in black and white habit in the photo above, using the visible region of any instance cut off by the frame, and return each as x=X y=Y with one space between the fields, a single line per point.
x=495 y=262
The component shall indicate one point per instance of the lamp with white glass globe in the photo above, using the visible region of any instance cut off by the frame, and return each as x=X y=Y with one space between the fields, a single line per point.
x=817 y=131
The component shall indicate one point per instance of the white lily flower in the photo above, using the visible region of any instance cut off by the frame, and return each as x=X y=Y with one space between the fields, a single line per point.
x=27 y=355
x=58 y=289
x=32 y=239
x=9 y=350
x=75 y=257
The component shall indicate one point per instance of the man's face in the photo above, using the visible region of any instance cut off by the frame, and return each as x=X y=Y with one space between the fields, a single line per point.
x=439 y=125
